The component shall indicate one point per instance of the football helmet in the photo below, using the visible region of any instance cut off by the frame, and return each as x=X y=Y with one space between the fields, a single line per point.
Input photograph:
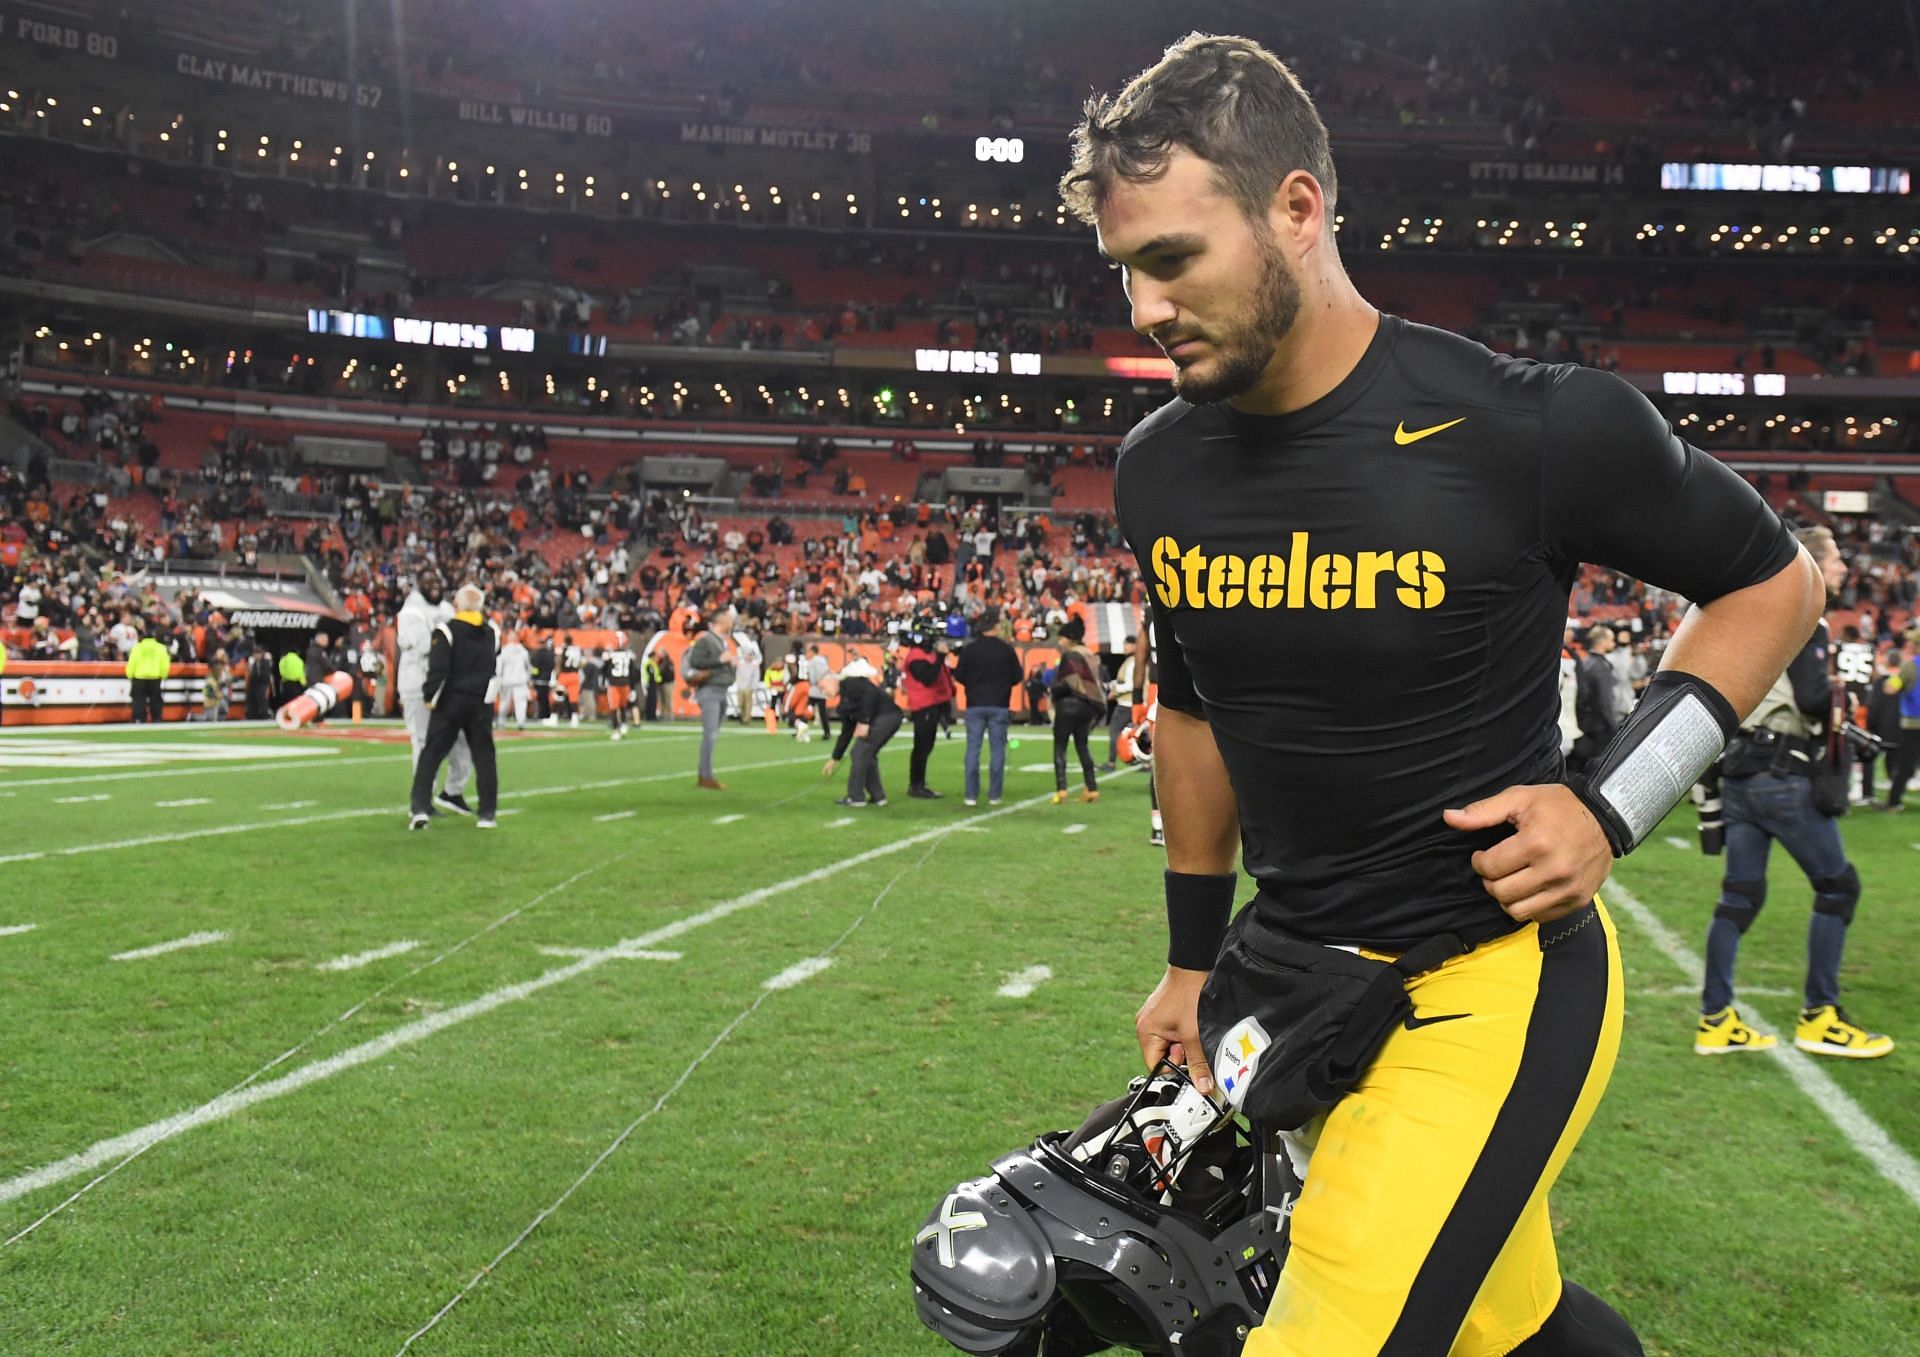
x=1136 y=740
x=1157 y=1226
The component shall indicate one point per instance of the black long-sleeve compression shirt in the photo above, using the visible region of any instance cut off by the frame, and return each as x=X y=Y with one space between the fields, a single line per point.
x=1365 y=599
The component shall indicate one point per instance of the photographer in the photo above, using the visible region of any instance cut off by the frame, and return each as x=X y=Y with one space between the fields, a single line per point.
x=1780 y=783
x=929 y=688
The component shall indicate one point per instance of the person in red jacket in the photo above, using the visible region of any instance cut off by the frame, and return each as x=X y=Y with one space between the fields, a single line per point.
x=929 y=688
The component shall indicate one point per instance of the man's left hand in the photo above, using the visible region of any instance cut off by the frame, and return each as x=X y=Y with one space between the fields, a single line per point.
x=1555 y=860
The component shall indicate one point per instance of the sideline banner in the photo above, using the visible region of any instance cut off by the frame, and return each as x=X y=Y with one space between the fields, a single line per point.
x=70 y=692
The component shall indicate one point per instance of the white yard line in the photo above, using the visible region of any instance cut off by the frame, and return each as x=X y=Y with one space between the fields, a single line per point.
x=1675 y=841
x=633 y=954
x=81 y=800
x=767 y=991
x=137 y=1141
x=729 y=819
x=285 y=764
x=615 y=815
x=1895 y=1164
x=13 y=930
x=345 y=1016
x=798 y=973
x=1693 y=991
x=356 y=960
x=841 y=823
x=288 y=805
x=178 y=944
x=1074 y=829
x=185 y=801
x=1021 y=983
x=214 y=831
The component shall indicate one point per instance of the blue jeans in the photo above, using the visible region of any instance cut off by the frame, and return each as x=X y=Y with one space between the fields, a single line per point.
x=1760 y=809
x=989 y=723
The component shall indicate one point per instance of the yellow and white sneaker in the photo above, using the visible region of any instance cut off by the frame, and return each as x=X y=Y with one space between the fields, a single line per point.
x=1723 y=1033
x=1828 y=1030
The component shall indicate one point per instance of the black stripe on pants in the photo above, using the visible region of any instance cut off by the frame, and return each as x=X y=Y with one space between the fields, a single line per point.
x=1563 y=1032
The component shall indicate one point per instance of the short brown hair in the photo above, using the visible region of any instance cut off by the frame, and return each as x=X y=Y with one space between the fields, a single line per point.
x=1228 y=100
x=1813 y=538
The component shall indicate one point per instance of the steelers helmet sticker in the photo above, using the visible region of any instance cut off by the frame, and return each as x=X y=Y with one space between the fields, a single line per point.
x=1237 y=1058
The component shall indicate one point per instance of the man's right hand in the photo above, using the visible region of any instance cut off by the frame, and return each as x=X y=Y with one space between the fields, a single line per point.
x=1168 y=1025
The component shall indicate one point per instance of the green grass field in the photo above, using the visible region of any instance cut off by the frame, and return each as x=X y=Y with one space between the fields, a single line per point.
x=364 y=1142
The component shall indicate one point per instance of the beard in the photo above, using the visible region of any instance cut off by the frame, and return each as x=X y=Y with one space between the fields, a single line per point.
x=1242 y=353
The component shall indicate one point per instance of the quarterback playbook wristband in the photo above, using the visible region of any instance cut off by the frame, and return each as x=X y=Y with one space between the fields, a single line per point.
x=1673 y=736
x=1198 y=907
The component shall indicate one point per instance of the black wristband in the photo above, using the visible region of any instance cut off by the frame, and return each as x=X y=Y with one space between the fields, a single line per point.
x=1677 y=731
x=1198 y=907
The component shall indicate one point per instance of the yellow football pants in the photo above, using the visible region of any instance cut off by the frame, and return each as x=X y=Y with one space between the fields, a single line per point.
x=1423 y=1229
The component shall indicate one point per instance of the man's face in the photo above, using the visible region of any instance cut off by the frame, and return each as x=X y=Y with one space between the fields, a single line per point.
x=1209 y=286
x=430 y=588
x=1833 y=566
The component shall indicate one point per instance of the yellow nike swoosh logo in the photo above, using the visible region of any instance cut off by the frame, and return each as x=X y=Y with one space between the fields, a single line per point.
x=1402 y=437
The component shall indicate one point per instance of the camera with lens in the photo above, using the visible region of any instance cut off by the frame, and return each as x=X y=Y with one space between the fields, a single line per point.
x=1713 y=823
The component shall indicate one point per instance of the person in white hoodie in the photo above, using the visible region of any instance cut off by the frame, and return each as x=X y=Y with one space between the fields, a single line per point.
x=424 y=610
x=748 y=678
x=514 y=671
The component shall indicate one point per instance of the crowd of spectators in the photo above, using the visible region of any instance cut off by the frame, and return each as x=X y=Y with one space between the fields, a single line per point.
x=555 y=558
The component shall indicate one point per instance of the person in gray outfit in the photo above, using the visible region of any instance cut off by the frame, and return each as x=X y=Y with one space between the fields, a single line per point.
x=709 y=672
